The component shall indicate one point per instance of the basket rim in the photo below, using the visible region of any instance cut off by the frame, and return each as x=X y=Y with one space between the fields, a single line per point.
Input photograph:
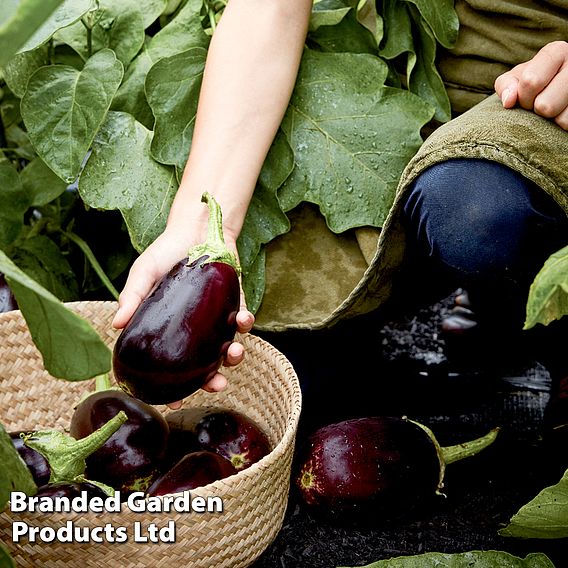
x=249 y=340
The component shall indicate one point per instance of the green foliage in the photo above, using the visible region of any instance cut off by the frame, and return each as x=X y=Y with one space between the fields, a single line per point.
x=97 y=111
x=473 y=559
x=14 y=474
x=548 y=295
x=545 y=516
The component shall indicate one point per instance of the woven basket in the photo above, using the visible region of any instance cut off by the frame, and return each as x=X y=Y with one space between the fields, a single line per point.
x=264 y=387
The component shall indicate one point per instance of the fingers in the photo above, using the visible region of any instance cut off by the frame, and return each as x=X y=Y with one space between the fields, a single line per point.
x=245 y=321
x=216 y=384
x=540 y=85
x=138 y=285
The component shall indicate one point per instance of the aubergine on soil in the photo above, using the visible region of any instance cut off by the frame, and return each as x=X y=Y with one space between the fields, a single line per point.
x=130 y=459
x=193 y=470
x=229 y=433
x=37 y=464
x=178 y=337
x=378 y=466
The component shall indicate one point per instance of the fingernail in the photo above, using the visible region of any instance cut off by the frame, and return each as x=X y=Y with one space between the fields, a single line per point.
x=505 y=95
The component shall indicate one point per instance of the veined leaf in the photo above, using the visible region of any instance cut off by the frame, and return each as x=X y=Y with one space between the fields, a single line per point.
x=5 y=558
x=182 y=33
x=14 y=474
x=548 y=295
x=40 y=183
x=20 y=19
x=473 y=559
x=68 y=12
x=351 y=138
x=52 y=325
x=545 y=516
x=172 y=88
x=368 y=16
x=442 y=18
x=119 y=26
x=63 y=109
x=22 y=66
x=327 y=13
x=13 y=204
x=121 y=174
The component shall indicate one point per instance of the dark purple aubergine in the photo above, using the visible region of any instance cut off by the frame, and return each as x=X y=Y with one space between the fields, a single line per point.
x=70 y=490
x=226 y=432
x=378 y=466
x=178 y=337
x=131 y=458
x=7 y=299
x=193 y=470
x=37 y=464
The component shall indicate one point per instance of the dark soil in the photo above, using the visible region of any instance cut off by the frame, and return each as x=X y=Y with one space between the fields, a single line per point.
x=365 y=368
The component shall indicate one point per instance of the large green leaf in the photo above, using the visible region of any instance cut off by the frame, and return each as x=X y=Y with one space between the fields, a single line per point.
x=121 y=174
x=119 y=26
x=548 y=295
x=63 y=109
x=13 y=204
x=473 y=559
x=182 y=33
x=442 y=18
x=40 y=183
x=40 y=258
x=327 y=13
x=264 y=220
x=22 y=66
x=19 y=20
x=351 y=138
x=545 y=516
x=14 y=474
x=68 y=12
x=70 y=347
x=172 y=88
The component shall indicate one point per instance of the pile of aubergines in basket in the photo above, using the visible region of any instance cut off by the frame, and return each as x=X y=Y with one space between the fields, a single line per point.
x=120 y=443
x=173 y=345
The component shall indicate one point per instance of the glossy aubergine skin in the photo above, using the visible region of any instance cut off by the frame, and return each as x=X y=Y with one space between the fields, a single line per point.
x=70 y=490
x=368 y=466
x=131 y=457
x=7 y=299
x=193 y=470
x=178 y=337
x=37 y=464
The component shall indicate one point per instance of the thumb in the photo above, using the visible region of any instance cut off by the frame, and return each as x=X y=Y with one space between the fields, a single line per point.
x=507 y=88
x=138 y=285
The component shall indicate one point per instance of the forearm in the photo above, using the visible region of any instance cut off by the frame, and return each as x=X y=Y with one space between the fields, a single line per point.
x=249 y=76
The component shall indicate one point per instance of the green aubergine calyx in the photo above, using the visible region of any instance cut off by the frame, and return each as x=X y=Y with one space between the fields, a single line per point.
x=178 y=337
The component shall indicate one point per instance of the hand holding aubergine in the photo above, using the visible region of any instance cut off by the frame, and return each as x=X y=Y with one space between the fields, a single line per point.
x=168 y=249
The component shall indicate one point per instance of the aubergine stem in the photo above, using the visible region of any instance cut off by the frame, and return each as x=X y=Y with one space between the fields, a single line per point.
x=214 y=247
x=102 y=383
x=65 y=455
x=451 y=454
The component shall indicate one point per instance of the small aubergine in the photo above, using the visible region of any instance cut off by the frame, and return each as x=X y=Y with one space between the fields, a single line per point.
x=193 y=470
x=37 y=464
x=130 y=459
x=368 y=468
x=178 y=337
x=7 y=299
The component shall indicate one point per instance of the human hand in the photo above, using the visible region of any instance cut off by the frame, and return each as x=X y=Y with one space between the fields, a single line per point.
x=169 y=248
x=540 y=85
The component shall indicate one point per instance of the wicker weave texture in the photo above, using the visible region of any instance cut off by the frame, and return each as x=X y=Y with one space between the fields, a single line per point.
x=264 y=387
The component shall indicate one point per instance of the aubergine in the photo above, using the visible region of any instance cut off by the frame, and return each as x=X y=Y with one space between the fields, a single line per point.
x=193 y=470
x=226 y=432
x=178 y=337
x=131 y=458
x=37 y=464
x=7 y=299
x=71 y=490
x=375 y=467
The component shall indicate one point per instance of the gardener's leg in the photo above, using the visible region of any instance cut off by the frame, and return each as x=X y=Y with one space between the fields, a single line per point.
x=479 y=225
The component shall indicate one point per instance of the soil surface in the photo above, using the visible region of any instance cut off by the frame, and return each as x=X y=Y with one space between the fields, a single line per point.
x=366 y=368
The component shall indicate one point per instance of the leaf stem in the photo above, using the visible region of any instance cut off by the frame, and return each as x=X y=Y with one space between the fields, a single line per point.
x=93 y=261
x=89 y=37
